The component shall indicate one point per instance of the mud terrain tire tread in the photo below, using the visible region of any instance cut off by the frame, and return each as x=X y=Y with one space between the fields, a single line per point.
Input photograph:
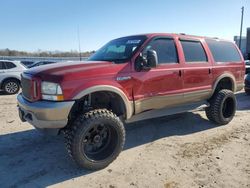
x=80 y=125
x=214 y=112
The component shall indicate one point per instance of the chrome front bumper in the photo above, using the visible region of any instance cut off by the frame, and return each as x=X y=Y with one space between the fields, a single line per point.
x=44 y=114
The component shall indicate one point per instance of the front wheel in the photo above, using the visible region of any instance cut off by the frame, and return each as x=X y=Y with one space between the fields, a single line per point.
x=95 y=139
x=11 y=87
x=222 y=107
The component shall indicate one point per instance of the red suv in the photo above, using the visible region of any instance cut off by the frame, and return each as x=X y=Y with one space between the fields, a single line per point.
x=130 y=79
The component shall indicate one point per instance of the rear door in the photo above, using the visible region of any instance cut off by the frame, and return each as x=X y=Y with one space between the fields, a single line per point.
x=197 y=71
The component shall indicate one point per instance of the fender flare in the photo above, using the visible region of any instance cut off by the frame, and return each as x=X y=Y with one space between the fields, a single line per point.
x=225 y=75
x=128 y=104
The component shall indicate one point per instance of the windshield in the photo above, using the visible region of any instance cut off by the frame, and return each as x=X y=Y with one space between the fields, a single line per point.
x=119 y=50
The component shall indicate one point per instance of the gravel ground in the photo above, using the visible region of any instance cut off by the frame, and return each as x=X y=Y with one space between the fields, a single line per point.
x=184 y=150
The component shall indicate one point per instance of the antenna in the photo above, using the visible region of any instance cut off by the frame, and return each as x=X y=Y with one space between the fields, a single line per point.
x=79 y=42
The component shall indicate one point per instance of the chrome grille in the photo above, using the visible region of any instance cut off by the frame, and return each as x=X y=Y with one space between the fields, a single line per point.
x=26 y=84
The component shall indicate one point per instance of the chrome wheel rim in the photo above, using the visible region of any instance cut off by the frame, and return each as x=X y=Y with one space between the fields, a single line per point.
x=11 y=87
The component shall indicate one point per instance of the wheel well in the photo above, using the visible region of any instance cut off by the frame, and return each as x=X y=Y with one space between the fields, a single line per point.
x=10 y=78
x=225 y=83
x=96 y=100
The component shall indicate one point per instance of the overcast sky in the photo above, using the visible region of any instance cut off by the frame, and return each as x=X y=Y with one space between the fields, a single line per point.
x=52 y=24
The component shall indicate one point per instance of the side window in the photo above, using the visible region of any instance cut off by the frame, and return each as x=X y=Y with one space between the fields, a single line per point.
x=9 y=65
x=193 y=51
x=165 y=49
x=223 y=51
x=2 y=65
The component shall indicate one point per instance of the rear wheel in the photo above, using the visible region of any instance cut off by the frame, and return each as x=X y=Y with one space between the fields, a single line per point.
x=11 y=86
x=222 y=107
x=95 y=139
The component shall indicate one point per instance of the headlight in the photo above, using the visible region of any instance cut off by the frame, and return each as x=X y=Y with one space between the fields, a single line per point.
x=51 y=91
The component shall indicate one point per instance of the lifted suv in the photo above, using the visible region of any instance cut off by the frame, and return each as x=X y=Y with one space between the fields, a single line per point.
x=130 y=79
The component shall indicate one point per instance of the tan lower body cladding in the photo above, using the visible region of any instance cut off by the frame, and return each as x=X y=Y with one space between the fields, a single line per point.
x=159 y=102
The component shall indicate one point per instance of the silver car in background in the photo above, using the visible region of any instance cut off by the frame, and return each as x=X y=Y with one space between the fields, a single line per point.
x=10 y=76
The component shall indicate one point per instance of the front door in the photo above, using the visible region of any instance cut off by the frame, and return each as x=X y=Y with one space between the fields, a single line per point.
x=161 y=86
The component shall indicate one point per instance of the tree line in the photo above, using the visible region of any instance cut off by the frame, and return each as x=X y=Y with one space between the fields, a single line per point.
x=40 y=53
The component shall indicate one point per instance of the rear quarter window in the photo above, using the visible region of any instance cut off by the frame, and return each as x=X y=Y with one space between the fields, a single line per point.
x=223 y=51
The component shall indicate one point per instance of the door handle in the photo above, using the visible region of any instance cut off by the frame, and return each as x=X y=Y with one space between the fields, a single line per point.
x=209 y=71
x=180 y=73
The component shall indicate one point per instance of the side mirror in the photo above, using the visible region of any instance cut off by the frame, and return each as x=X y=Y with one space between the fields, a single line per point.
x=152 y=58
x=146 y=63
x=141 y=63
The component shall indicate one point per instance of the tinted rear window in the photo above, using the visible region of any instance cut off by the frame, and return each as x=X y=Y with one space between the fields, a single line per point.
x=193 y=51
x=223 y=51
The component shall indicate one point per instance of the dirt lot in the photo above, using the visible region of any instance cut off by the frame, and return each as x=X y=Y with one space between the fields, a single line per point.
x=183 y=150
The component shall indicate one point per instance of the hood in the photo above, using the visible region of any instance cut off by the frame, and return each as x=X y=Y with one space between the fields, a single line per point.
x=74 y=70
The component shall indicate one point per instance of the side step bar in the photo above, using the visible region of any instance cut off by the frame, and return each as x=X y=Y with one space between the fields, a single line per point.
x=168 y=111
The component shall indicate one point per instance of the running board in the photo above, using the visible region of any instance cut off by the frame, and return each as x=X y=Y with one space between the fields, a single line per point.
x=168 y=111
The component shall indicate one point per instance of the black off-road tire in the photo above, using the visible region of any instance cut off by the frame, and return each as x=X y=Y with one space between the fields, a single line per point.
x=209 y=114
x=11 y=86
x=79 y=137
x=247 y=91
x=222 y=107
